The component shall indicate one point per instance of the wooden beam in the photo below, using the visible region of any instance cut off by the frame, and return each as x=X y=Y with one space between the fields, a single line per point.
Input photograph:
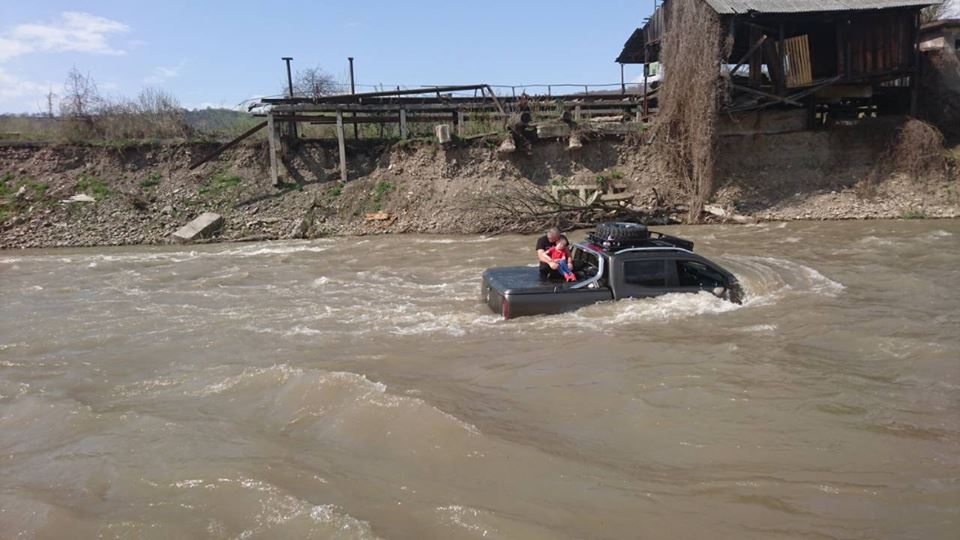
x=767 y=95
x=322 y=119
x=341 y=98
x=342 y=147
x=226 y=146
x=749 y=56
x=272 y=140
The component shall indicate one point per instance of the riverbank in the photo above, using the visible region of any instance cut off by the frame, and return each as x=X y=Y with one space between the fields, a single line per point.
x=141 y=194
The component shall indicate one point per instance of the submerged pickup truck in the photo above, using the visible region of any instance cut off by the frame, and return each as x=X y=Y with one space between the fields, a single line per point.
x=618 y=260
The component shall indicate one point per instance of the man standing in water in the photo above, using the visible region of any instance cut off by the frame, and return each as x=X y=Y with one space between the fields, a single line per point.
x=548 y=267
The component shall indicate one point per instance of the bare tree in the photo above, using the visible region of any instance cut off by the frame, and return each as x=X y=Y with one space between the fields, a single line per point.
x=936 y=12
x=51 y=96
x=80 y=96
x=313 y=83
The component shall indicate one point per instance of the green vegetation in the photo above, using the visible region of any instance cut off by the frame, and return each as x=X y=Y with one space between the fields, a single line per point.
x=335 y=191
x=150 y=181
x=93 y=186
x=379 y=192
x=11 y=204
x=913 y=214
x=6 y=184
x=219 y=184
x=557 y=181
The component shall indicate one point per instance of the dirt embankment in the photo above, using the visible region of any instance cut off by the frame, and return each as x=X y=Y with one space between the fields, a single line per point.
x=144 y=193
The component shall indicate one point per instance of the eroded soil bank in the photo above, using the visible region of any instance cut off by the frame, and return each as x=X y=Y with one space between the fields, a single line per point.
x=144 y=193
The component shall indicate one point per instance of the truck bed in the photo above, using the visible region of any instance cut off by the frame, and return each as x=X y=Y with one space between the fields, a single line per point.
x=519 y=290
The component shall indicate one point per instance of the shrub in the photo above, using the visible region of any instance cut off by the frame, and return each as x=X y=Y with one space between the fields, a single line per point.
x=380 y=191
x=151 y=181
x=93 y=186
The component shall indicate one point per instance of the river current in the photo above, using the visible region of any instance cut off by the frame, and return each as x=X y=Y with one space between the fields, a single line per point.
x=356 y=388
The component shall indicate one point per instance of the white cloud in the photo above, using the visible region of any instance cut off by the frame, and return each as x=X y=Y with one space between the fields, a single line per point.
x=162 y=74
x=12 y=87
x=71 y=31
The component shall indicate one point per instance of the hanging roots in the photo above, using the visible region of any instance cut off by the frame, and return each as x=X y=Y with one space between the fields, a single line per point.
x=690 y=99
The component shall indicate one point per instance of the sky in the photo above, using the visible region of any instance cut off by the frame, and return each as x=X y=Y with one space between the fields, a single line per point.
x=215 y=53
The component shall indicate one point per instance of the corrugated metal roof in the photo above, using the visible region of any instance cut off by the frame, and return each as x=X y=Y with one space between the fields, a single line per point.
x=725 y=7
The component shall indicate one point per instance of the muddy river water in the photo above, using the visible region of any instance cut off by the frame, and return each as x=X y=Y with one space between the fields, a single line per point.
x=355 y=388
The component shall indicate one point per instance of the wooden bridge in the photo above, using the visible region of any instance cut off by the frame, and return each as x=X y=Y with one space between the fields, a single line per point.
x=450 y=105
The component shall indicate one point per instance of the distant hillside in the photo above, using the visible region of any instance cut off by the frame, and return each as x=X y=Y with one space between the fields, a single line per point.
x=218 y=121
x=205 y=123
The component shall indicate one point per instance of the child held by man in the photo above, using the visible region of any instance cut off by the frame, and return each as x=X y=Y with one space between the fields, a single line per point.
x=560 y=254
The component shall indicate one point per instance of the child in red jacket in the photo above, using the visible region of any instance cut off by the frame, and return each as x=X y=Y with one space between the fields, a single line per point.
x=561 y=255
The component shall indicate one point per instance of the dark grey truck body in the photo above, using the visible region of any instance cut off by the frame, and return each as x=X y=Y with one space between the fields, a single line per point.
x=601 y=276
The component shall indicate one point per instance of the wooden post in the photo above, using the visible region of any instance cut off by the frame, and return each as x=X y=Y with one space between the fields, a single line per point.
x=756 y=61
x=623 y=85
x=782 y=82
x=343 y=148
x=272 y=140
x=403 y=123
x=576 y=113
x=646 y=71
x=460 y=123
x=917 y=66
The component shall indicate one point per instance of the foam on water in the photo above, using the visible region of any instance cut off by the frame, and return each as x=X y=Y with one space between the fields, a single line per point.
x=466 y=240
x=273 y=512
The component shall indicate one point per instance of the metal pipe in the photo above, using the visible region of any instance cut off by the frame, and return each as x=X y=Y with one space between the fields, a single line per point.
x=292 y=129
x=287 y=59
x=353 y=90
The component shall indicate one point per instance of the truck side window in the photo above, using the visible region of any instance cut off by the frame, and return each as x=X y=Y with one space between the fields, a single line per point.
x=650 y=273
x=697 y=274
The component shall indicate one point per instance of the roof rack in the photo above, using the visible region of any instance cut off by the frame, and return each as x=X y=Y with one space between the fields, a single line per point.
x=653 y=240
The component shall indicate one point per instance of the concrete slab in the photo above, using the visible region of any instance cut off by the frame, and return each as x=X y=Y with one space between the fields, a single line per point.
x=204 y=226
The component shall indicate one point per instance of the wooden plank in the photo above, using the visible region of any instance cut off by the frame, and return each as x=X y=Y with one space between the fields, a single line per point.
x=342 y=147
x=379 y=119
x=797 y=60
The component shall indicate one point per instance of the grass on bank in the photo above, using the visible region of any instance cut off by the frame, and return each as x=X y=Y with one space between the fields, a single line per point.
x=93 y=186
x=152 y=180
x=35 y=193
x=220 y=184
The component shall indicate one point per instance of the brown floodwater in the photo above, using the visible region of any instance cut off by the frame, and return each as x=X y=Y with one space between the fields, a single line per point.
x=356 y=388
